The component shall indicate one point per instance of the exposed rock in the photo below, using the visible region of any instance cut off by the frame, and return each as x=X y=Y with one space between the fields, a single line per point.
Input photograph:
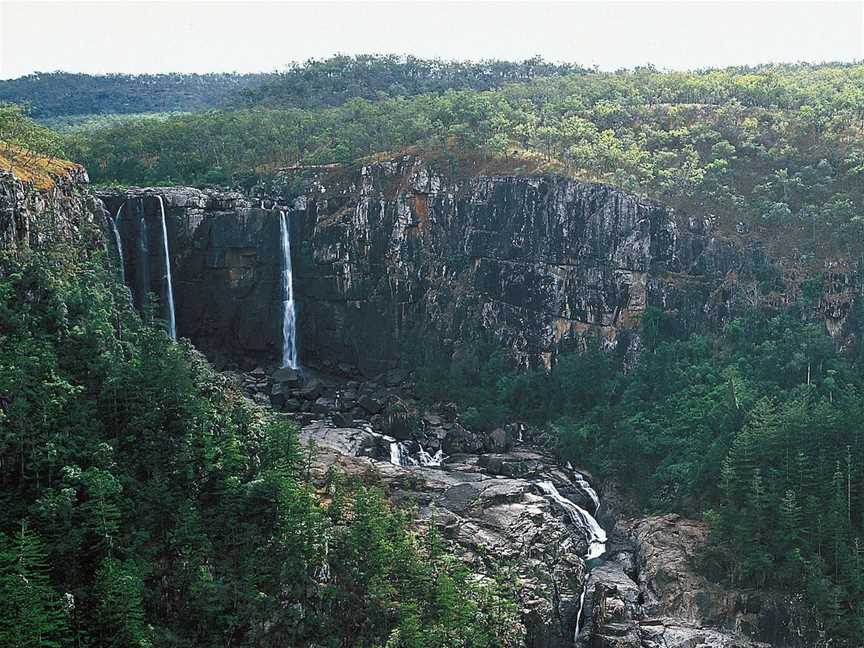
x=285 y=375
x=372 y=404
x=398 y=255
x=312 y=390
x=486 y=519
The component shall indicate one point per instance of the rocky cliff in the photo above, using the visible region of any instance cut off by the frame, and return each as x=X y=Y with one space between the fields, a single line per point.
x=396 y=256
x=48 y=208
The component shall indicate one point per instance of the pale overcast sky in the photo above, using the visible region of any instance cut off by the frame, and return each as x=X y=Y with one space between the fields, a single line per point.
x=99 y=37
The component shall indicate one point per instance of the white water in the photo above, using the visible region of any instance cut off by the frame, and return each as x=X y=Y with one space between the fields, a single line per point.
x=117 y=240
x=595 y=535
x=172 y=326
x=426 y=459
x=588 y=490
x=579 y=613
x=399 y=455
x=289 y=316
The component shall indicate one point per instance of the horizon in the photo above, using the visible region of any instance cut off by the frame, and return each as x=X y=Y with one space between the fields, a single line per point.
x=196 y=37
x=594 y=69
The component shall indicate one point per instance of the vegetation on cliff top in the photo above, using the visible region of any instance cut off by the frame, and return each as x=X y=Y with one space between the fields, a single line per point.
x=779 y=148
x=28 y=150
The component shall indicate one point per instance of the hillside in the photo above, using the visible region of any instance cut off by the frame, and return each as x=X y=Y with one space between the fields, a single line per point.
x=776 y=151
x=446 y=301
x=60 y=94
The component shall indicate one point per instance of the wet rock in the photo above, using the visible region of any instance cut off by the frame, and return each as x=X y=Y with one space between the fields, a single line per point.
x=324 y=406
x=342 y=419
x=279 y=393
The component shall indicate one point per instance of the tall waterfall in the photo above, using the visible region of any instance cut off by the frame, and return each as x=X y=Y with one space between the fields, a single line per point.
x=289 y=316
x=595 y=535
x=118 y=241
x=169 y=289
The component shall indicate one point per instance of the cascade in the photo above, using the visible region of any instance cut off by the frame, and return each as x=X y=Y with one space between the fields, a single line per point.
x=118 y=241
x=399 y=455
x=172 y=326
x=595 y=535
x=586 y=488
x=289 y=317
x=425 y=459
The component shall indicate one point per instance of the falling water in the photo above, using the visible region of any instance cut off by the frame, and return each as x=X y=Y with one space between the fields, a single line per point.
x=172 y=326
x=395 y=454
x=586 y=488
x=579 y=613
x=117 y=240
x=289 y=317
x=595 y=535
x=400 y=456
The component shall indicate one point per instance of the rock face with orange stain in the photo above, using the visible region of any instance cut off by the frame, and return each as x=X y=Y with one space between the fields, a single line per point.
x=45 y=201
x=398 y=256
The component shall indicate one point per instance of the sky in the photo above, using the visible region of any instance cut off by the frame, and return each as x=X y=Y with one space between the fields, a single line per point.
x=202 y=36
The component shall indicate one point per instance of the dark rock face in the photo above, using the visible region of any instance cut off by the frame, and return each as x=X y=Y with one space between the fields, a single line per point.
x=396 y=258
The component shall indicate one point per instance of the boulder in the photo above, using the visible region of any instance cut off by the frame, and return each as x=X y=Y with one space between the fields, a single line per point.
x=342 y=419
x=279 y=393
x=324 y=405
x=373 y=404
x=312 y=389
x=285 y=375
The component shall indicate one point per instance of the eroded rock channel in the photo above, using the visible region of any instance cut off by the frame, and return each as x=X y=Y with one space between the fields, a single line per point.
x=394 y=256
x=584 y=578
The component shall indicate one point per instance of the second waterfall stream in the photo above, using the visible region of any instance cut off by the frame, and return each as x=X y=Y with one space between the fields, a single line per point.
x=289 y=316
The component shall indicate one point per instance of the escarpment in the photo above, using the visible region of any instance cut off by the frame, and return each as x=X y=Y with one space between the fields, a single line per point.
x=396 y=258
x=48 y=206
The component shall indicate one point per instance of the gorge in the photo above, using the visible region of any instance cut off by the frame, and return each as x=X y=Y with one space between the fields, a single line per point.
x=396 y=252
x=385 y=352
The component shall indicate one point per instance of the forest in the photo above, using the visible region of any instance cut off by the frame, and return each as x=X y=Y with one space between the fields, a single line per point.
x=146 y=502
x=754 y=427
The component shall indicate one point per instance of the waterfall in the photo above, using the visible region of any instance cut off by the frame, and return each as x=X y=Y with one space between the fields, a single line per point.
x=595 y=535
x=289 y=317
x=118 y=241
x=172 y=326
x=399 y=455
x=579 y=613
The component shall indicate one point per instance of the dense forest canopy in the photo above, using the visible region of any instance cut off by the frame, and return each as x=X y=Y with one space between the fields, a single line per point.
x=56 y=94
x=146 y=502
x=755 y=427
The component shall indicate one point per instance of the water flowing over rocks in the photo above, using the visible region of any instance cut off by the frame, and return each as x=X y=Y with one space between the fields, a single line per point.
x=521 y=508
